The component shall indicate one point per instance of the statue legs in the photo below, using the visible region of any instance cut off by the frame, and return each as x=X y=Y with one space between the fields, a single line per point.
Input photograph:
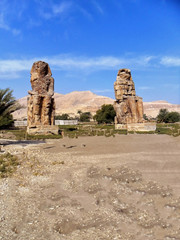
x=40 y=110
x=129 y=111
x=140 y=110
x=37 y=106
x=47 y=102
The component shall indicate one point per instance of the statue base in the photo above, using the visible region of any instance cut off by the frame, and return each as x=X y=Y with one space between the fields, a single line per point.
x=43 y=130
x=137 y=127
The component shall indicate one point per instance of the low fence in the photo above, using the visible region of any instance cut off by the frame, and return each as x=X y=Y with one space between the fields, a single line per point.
x=57 y=122
x=20 y=123
x=66 y=122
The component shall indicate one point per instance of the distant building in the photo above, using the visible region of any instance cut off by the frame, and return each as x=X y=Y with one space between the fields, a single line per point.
x=57 y=122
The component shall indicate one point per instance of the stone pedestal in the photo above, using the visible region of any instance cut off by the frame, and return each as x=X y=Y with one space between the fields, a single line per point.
x=137 y=127
x=43 y=130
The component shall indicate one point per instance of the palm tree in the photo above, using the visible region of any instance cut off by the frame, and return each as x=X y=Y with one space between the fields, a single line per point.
x=8 y=105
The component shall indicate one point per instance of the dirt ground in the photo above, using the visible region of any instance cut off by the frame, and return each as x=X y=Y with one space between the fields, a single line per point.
x=93 y=188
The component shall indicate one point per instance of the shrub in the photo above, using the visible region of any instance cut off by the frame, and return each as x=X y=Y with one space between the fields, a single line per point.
x=168 y=117
x=172 y=117
x=106 y=114
x=145 y=116
x=64 y=116
x=8 y=164
x=85 y=117
x=162 y=115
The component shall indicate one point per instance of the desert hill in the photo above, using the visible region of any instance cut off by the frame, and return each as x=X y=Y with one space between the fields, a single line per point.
x=86 y=101
x=152 y=108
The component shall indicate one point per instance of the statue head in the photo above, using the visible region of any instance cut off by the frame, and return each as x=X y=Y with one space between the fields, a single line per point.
x=124 y=73
x=41 y=80
x=40 y=69
x=124 y=85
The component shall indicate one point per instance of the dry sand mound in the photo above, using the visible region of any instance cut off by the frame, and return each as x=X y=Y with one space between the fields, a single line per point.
x=93 y=188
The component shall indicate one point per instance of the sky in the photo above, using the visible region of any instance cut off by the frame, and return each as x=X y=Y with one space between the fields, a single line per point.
x=86 y=42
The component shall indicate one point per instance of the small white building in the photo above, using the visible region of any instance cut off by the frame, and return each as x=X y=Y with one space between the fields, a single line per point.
x=57 y=122
x=66 y=122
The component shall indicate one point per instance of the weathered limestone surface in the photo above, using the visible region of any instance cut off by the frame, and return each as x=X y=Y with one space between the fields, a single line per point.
x=137 y=127
x=124 y=85
x=128 y=106
x=41 y=105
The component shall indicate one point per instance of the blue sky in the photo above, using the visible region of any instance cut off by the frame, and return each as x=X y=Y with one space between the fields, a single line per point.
x=85 y=42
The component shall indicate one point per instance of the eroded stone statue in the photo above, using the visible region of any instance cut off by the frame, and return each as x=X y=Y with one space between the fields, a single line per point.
x=41 y=105
x=128 y=106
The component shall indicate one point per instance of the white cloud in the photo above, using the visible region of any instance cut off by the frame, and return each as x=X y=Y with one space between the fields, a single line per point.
x=3 y=19
x=15 y=31
x=102 y=62
x=170 y=61
x=86 y=13
x=61 y=8
x=13 y=66
x=66 y=62
x=54 y=10
x=3 y=25
x=62 y=62
x=71 y=63
x=11 y=75
x=98 y=7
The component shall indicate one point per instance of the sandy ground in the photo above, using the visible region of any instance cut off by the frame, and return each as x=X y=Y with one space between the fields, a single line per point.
x=122 y=187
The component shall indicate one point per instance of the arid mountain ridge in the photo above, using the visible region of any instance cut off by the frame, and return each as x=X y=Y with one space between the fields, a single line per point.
x=87 y=101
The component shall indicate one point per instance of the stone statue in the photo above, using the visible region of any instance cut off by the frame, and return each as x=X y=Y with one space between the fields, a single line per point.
x=41 y=105
x=128 y=106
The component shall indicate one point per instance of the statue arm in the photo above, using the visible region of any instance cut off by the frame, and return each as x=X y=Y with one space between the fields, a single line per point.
x=51 y=87
x=31 y=92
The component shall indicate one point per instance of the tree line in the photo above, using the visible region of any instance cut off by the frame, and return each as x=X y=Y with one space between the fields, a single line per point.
x=105 y=114
x=168 y=117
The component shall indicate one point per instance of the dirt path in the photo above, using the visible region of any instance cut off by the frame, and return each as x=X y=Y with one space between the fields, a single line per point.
x=93 y=188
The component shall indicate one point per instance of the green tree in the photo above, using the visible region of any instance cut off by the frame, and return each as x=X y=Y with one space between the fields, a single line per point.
x=8 y=105
x=85 y=117
x=168 y=117
x=172 y=117
x=106 y=114
x=162 y=115
x=79 y=112
x=145 y=116
x=64 y=116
